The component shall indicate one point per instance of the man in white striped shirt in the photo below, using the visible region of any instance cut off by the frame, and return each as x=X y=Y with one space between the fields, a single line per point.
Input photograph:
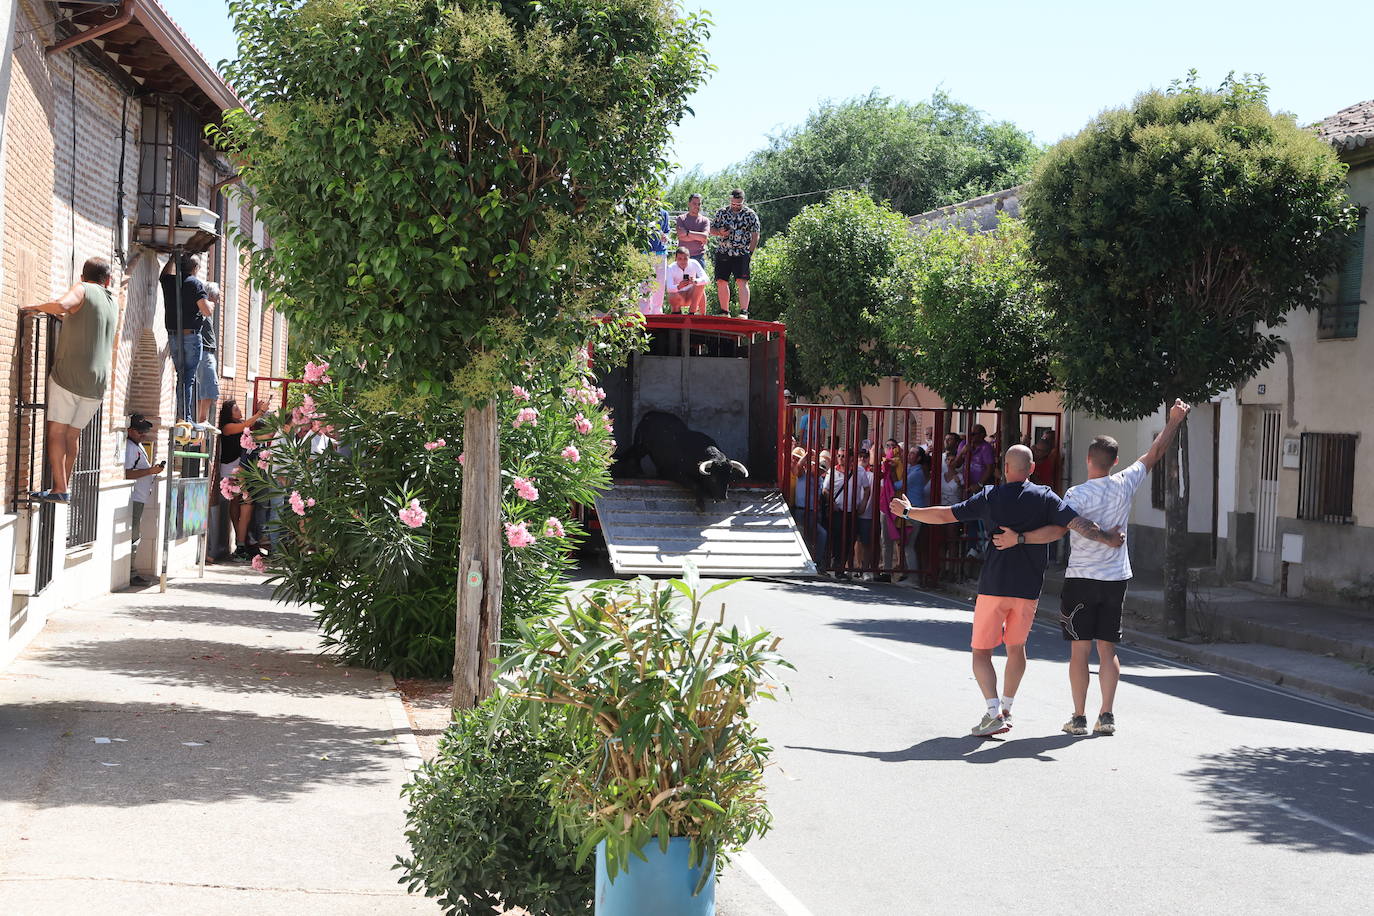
x=1096 y=579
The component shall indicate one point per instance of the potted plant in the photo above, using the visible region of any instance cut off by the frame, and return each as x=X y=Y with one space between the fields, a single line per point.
x=674 y=779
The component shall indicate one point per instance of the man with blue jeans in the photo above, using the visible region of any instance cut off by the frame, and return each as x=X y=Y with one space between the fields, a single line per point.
x=207 y=374
x=183 y=337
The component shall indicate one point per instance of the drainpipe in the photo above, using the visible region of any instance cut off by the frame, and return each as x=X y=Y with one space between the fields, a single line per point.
x=126 y=15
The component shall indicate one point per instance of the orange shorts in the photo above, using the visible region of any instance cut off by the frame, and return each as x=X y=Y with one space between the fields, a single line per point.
x=997 y=620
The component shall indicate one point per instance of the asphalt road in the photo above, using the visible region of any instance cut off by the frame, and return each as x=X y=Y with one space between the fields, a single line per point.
x=1216 y=796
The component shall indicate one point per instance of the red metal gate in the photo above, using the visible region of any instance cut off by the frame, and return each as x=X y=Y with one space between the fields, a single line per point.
x=849 y=534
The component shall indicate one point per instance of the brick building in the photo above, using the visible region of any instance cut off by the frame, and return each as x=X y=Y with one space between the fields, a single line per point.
x=102 y=119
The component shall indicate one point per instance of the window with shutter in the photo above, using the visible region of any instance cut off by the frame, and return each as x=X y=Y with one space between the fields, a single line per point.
x=1342 y=317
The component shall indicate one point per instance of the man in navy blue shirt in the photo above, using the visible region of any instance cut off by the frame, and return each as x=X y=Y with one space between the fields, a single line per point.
x=1009 y=587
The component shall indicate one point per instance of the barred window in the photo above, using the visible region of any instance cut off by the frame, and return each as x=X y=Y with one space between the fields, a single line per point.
x=84 y=486
x=1326 y=491
x=1341 y=318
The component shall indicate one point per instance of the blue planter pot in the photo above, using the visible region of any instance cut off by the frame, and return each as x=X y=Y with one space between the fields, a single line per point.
x=661 y=886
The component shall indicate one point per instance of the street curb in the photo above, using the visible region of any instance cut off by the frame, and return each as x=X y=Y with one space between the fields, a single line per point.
x=411 y=758
x=1200 y=654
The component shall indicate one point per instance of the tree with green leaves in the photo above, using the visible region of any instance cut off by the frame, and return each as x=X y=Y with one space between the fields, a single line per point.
x=827 y=278
x=1176 y=235
x=914 y=156
x=453 y=189
x=972 y=324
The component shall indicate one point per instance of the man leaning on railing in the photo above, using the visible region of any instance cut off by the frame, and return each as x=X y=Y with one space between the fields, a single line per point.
x=80 y=368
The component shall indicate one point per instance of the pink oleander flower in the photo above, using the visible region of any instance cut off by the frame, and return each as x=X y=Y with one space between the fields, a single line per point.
x=611 y=445
x=412 y=515
x=264 y=464
x=228 y=488
x=520 y=393
x=572 y=454
x=518 y=535
x=246 y=440
x=437 y=443
x=553 y=528
x=462 y=459
x=599 y=394
x=259 y=564
x=582 y=424
x=526 y=415
x=298 y=502
x=525 y=488
x=316 y=373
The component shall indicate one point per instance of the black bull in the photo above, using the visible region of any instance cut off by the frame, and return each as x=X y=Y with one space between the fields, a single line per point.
x=682 y=455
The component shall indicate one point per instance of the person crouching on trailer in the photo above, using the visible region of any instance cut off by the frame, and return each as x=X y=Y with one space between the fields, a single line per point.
x=686 y=285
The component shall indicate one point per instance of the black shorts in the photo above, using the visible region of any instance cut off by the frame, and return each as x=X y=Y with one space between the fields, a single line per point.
x=1091 y=609
x=732 y=265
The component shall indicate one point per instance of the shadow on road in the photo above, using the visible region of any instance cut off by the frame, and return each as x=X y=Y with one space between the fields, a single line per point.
x=1308 y=799
x=1239 y=699
x=937 y=634
x=965 y=748
x=50 y=758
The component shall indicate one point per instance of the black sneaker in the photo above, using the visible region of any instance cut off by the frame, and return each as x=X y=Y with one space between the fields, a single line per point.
x=1106 y=724
x=1077 y=725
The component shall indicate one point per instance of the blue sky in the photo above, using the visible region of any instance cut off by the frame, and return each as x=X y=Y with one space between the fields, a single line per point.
x=1046 y=66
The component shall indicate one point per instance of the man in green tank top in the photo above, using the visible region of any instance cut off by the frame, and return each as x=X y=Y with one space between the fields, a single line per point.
x=80 y=368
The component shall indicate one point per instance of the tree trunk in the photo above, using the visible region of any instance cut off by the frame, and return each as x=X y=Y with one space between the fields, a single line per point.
x=1009 y=424
x=856 y=395
x=1176 y=499
x=479 y=559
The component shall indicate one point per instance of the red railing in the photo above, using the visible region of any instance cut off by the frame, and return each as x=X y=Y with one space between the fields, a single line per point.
x=845 y=540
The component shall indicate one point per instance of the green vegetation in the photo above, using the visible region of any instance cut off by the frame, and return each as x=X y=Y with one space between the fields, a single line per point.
x=1176 y=234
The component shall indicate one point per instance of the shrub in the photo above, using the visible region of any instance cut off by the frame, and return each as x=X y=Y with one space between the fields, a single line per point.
x=666 y=691
x=480 y=824
x=367 y=530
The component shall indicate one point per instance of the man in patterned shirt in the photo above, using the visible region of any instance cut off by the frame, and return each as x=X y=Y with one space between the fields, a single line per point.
x=1095 y=582
x=737 y=227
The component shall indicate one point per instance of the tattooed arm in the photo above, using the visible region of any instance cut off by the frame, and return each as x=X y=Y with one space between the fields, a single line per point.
x=1092 y=532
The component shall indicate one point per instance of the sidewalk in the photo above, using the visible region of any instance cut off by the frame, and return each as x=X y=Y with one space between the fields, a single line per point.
x=191 y=753
x=1325 y=650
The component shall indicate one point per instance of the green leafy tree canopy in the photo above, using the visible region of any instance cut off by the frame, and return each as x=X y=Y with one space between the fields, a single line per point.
x=915 y=156
x=827 y=278
x=974 y=325
x=1177 y=233
x=447 y=184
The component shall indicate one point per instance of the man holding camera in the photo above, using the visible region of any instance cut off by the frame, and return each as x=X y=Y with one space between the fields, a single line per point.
x=141 y=470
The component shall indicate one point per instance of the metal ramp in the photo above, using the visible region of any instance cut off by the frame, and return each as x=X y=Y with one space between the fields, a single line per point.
x=652 y=528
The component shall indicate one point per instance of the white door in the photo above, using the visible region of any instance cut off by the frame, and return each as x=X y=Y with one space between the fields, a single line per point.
x=1267 y=499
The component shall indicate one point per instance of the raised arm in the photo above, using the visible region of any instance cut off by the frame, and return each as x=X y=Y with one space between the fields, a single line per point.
x=1177 y=414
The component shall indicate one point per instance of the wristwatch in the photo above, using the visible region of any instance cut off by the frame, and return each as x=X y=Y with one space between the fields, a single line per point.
x=1020 y=538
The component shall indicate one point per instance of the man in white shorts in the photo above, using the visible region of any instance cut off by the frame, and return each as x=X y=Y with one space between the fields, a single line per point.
x=80 y=368
x=1095 y=582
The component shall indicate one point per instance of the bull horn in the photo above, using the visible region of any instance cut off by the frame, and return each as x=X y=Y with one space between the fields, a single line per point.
x=743 y=471
x=703 y=468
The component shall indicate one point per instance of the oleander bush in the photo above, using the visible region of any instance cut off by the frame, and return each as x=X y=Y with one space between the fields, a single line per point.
x=480 y=825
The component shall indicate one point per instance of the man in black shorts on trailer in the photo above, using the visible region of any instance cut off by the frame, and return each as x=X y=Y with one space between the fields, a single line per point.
x=737 y=227
x=1095 y=582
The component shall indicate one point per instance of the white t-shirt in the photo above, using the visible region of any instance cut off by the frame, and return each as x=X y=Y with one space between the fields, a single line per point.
x=692 y=271
x=846 y=492
x=135 y=458
x=951 y=491
x=1106 y=501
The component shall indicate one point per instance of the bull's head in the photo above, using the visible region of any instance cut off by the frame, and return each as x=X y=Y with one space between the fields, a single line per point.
x=716 y=474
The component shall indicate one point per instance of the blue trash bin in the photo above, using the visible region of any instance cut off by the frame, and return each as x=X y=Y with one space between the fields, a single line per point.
x=662 y=886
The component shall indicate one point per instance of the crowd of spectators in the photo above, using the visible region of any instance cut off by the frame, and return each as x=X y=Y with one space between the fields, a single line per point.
x=842 y=500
